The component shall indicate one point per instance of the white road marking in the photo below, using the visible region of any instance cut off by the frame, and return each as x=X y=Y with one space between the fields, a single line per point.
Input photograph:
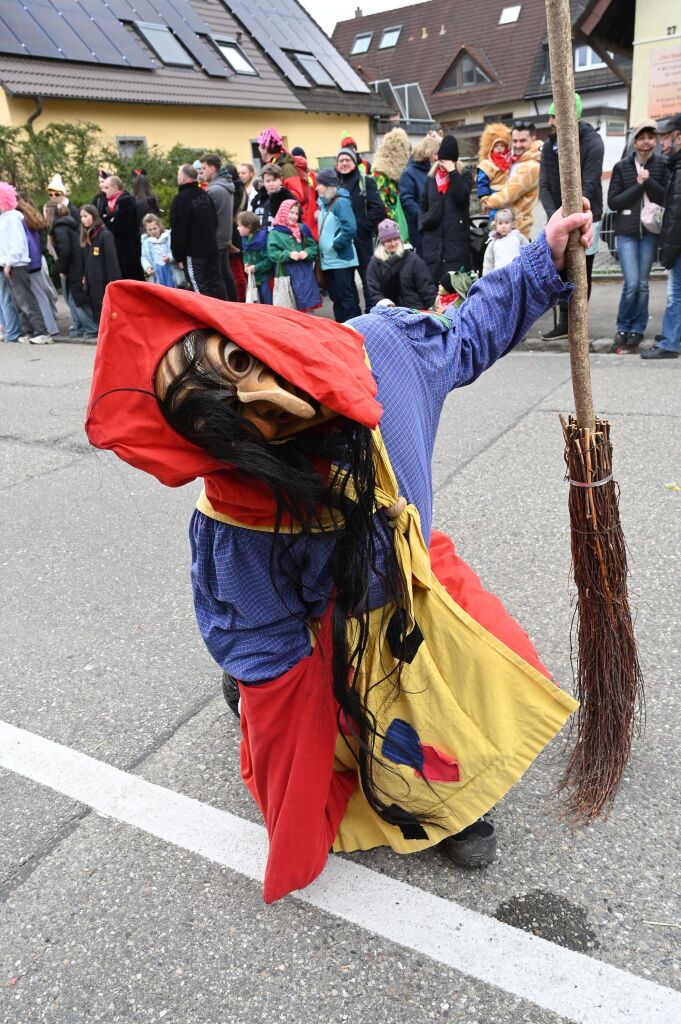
x=570 y=984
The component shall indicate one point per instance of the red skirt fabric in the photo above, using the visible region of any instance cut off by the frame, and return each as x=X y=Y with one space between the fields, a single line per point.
x=236 y=265
x=290 y=726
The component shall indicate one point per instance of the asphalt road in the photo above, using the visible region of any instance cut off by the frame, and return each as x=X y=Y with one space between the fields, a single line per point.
x=104 y=921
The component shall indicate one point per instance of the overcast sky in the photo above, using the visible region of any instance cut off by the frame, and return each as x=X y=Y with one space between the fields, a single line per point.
x=327 y=12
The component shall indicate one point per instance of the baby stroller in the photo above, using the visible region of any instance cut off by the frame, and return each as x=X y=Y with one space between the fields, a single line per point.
x=479 y=233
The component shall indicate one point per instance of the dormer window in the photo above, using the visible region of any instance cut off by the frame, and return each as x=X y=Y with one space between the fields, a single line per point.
x=390 y=37
x=587 y=59
x=464 y=74
x=509 y=15
x=362 y=43
x=164 y=44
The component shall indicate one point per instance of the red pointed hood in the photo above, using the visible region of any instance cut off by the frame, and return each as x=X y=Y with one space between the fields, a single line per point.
x=141 y=321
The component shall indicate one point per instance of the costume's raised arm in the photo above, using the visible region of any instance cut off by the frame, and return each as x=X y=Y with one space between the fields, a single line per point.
x=498 y=312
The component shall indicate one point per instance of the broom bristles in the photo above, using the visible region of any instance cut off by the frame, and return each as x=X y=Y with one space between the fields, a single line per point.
x=609 y=683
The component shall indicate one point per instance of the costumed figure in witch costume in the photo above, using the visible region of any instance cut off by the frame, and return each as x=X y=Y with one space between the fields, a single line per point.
x=390 y=161
x=386 y=698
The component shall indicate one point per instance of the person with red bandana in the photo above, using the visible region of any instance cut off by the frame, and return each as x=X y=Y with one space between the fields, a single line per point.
x=385 y=697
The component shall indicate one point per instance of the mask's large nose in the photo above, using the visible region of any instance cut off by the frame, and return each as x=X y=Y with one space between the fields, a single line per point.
x=261 y=385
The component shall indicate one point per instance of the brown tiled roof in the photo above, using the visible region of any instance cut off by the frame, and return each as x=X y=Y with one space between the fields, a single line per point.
x=432 y=36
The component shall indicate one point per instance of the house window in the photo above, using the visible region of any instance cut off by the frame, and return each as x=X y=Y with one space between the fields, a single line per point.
x=164 y=44
x=413 y=106
x=362 y=43
x=235 y=57
x=313 y=69
x=389 y=37
x=464 y=73
x=509 y=15
x=128 y=145
x=587 y=59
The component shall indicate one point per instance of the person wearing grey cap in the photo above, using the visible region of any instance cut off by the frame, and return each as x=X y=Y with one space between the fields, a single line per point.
x=636 y=195
x=669 y=344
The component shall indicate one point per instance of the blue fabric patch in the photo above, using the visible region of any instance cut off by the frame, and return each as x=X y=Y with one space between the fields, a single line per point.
x=402 y=745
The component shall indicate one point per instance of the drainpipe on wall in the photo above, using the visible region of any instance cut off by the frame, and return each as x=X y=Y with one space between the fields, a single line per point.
x=35 y=115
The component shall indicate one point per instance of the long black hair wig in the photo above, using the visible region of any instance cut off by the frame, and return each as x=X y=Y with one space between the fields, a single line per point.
x=202 y=406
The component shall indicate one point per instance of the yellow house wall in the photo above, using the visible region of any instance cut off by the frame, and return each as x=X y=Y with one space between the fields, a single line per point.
x=656 y=73
x=204 y=128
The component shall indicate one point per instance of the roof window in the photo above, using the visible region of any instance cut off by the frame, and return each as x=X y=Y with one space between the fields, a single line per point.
x=235 y=57
x=312 y=68
x=390 y=37
x=509 y=15
x=164 y=44
x=362 y=43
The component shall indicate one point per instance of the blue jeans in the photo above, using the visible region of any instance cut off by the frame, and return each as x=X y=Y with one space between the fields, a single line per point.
x=9 y=317
x=83 y=323
x=636 y=258
x=671 y=322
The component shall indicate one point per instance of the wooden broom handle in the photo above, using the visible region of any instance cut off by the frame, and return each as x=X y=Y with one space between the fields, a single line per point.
x=559 y=25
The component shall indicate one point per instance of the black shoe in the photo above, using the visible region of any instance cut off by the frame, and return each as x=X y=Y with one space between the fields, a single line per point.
x=559 y=331
x=230 y=691
x=659 y=353
x=475 y=847
x=620 y=341
x=634 y=339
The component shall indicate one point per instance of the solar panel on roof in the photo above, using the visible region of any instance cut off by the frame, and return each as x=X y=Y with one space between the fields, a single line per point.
x=130 y=52
x=258 y=24
x=186 y=12
x=205 y=56
x=134 y=10
x=94 y=38
x=60 y=32
x=27 y=30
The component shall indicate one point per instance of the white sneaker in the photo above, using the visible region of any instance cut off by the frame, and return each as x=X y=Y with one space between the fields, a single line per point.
x=41 y=339
x=24 y=338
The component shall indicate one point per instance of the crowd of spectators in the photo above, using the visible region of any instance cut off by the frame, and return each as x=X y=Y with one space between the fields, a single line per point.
x=399 y=227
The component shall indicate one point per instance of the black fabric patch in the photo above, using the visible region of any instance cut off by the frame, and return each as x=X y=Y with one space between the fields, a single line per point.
x=403 y=648
x=409 y=830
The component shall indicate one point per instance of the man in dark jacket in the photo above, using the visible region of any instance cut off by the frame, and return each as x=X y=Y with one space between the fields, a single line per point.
x=591 y=161
x=366 y=206
x=119 y=215
x=221 y=193
x=193 y=236
x=669 y=345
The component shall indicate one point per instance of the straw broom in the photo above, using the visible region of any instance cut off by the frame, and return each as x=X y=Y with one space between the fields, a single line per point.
x=609 y=683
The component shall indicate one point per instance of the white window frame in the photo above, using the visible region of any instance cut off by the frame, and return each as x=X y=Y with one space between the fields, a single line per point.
x=509 y=15
x=403 y=100
x=220 y=41
x=386 y=32
x=593 y=62
x=361 y=35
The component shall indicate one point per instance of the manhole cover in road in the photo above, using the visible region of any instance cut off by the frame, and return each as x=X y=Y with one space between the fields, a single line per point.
x=551 y=917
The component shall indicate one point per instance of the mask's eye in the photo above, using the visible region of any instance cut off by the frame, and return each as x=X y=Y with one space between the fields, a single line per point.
x=238 y=362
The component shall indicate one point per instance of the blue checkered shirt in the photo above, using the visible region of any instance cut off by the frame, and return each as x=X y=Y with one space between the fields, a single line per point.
x=257 y=631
